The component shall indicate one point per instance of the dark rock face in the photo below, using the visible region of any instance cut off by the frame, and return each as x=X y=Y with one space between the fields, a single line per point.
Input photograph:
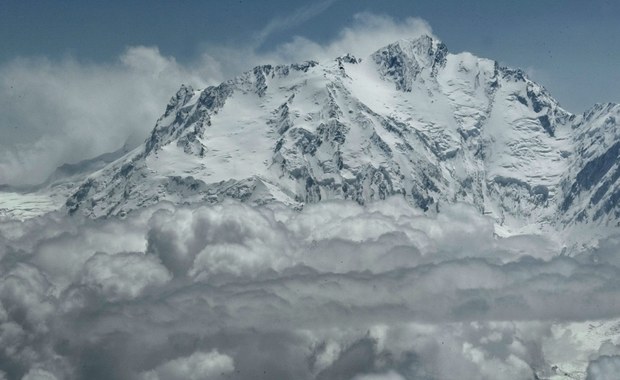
x=75 y=201
x=404 y=61
x=592 y=174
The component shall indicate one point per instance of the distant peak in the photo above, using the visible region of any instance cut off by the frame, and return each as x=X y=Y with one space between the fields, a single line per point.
x=348 y=58
x=598 y=109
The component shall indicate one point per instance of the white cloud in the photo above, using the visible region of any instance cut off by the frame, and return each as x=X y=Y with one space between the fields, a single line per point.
x=123 y=276
x=367 y=33
x=209 y=241
x=321 y=292
x=384 y=376
x=39 y=374
x=198 y=366
x=54 y=112
x=298 y=17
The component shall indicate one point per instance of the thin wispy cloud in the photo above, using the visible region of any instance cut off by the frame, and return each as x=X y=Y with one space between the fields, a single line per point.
x=298 y=17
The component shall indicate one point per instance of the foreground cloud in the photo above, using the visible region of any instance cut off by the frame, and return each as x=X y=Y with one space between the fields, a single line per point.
x=54 y=112
x=198 y=366
x=337 y=291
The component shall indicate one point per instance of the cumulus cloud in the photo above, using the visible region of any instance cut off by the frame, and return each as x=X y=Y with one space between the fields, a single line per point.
x=123 y=276
x=198 y=366
x=63 y=111
x=387 y=376
x=39 y=374
x=336 y=291
x=210 y=241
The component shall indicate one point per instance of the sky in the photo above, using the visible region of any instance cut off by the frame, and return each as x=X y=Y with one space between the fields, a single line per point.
x=82 y=78
x=571 y=46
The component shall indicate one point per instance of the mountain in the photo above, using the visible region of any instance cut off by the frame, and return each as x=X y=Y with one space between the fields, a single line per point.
x=411 y=120
x=25 y=202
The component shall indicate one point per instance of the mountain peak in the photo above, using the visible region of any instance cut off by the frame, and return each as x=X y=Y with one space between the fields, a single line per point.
x=410 y=120
x=423 y=42
x=406 y=60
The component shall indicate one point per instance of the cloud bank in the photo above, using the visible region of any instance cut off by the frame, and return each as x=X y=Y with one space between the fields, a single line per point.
x=63 y=111
x=336 y=291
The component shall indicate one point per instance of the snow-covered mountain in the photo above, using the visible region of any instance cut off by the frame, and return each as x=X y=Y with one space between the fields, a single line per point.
x=411 y=119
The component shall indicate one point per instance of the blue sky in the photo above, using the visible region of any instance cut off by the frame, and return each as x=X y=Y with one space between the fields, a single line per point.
x=572 y=47
x=79 y=78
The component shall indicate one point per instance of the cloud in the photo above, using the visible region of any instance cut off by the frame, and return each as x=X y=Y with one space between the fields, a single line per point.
x=299 y=16
x=386 y=376
x=198 y=366
x=39 y=374
x=209 y=241
x=336 y=291
x=367 y=33
x=123 y=276
x=54 y=112
x=63 y=111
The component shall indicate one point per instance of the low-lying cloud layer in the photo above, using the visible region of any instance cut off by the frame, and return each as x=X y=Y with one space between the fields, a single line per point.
x=336 y=291
x=54 y=112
